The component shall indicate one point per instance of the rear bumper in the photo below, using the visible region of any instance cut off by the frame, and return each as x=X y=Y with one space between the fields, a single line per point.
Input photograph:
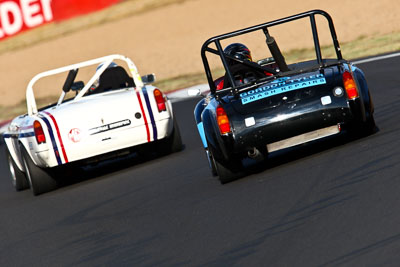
x=292 y=124
x=304 y=138
x=285 y=130
x=115 y=141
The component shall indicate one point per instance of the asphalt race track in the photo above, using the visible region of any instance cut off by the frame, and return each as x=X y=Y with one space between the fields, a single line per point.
x=328 y=204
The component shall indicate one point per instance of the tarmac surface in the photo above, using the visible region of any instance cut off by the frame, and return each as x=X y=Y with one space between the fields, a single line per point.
x=330 y=203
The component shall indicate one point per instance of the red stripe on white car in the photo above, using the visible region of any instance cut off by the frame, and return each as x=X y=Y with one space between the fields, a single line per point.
x=58 y=135
x=144 y=116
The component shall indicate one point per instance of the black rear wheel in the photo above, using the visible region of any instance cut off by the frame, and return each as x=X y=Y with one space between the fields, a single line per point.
x=370 y=125
x=211 y=163
x=39 y=179
x=18 y=178
x=229 y=172
x=172 y=143
x=362 y=129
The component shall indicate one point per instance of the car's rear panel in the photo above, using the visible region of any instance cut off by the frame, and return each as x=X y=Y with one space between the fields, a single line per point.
x=104 y=123
x=288 y=107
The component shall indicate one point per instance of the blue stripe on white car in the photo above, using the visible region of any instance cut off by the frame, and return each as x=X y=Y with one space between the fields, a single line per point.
x=20 y=135
x=53 y=140
x=28 y=134
x=153 y=123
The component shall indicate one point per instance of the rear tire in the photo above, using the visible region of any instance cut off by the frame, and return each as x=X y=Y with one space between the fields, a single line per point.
x=226 y=171
x=211 y=163
x=363 y=129
x=172 y=143
x=18 y=178
x=39 y=179
x=370 y=125
x=229 y=172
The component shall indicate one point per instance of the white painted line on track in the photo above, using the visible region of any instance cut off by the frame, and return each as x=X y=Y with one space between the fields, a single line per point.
x=376 y=58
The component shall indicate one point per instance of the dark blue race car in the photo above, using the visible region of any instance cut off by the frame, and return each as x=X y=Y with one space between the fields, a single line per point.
x=259 y=107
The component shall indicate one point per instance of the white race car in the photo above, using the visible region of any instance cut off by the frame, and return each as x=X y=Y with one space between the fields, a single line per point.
x=114 y=113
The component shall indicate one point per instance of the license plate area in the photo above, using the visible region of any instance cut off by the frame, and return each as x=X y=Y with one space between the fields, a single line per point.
x=303 y=138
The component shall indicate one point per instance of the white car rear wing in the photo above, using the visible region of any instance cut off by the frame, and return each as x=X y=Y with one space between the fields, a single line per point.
x=107 y=60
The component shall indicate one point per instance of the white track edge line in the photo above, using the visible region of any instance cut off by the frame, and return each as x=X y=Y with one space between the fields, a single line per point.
x=376 y=58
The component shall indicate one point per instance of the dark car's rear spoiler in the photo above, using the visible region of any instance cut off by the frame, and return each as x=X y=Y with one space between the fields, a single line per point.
x=271 y=44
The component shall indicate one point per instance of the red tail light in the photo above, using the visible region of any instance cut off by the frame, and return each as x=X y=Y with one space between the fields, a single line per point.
x=223 y=121
x=39 y=134
x=160 y=100
x=350 y=85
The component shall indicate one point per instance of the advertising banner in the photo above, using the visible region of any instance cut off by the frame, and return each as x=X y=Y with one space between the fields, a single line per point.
x=65 y=9
x=20 y=15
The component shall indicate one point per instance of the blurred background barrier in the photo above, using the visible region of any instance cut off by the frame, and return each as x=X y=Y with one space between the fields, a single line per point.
x=17 y=16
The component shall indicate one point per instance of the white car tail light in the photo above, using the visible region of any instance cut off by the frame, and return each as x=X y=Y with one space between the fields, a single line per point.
x=39 y=134
x=160 y=100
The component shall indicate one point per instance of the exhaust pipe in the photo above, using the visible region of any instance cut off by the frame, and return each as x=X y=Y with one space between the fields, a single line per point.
x=254 y=153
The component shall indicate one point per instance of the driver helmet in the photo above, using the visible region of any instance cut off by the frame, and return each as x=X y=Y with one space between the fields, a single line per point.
x=239 y=51
x=96 y=83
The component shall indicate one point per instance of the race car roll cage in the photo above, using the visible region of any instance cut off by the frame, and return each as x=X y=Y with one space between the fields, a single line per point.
x=72 y=71
x=274 y=49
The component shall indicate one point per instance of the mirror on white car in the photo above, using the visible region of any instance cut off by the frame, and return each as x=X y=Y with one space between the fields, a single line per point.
x=149 y=78
x=76 y=86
